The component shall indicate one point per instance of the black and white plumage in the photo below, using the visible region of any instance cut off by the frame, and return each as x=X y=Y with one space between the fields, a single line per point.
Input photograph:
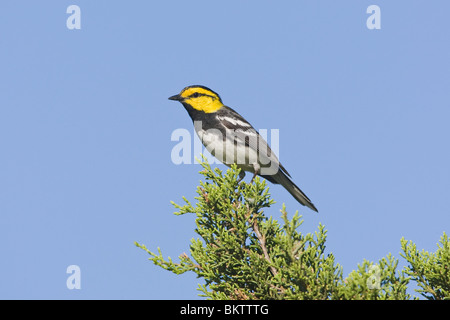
x=232 y=139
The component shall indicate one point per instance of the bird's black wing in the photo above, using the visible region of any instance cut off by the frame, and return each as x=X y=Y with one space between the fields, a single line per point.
x=246 y=134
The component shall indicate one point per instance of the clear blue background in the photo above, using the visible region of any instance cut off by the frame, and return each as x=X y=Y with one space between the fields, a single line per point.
x=85 y=127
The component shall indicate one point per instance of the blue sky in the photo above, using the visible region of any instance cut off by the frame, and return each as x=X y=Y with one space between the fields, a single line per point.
x=85 y=128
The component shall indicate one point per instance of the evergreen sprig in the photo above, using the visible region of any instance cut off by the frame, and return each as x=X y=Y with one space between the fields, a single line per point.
x=242 y=253
x=431 y=271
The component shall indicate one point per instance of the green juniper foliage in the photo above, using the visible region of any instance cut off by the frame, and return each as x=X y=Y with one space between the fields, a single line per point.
x=372 y=281
x=431 y=271
x=243 y=254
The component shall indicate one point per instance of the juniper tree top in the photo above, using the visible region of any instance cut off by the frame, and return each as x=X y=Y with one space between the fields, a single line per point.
x=243 y=253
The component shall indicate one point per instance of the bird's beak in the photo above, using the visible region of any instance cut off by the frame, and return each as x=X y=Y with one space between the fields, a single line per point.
x=176 y=97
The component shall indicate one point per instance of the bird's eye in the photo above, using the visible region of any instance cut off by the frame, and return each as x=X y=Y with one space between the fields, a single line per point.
x=196 y=95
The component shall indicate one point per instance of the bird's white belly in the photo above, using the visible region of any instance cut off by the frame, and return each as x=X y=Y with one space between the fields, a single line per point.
x=225 y=150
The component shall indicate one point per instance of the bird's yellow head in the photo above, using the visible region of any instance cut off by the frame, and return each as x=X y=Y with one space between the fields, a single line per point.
x=200 y=98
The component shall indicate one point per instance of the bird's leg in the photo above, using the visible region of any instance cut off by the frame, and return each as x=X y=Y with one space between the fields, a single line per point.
x=241 y=176
x=253 y=178
x=256 y=168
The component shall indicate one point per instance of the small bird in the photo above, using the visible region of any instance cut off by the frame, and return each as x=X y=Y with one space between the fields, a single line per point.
x=232 y=139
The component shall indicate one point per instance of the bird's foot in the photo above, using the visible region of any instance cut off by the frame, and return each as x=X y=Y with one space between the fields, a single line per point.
x=256 y=169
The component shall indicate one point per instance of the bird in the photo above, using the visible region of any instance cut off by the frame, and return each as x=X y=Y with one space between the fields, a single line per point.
x=232 y=139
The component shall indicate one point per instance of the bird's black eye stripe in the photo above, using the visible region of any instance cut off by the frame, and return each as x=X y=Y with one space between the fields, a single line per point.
x=198 y=94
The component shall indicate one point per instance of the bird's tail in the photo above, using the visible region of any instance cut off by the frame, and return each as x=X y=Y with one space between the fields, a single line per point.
x=283 y=179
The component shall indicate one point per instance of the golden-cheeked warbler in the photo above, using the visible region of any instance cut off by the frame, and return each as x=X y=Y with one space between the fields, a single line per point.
x=232 y=139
